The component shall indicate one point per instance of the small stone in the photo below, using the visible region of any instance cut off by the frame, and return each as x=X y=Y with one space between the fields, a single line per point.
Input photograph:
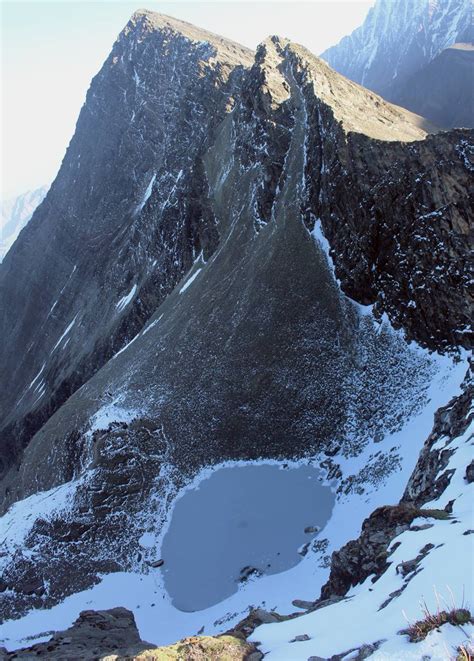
x=303 y=550
x=405 y=568
x=301 y=638
x=469 y=477
x=423 y=526
x=157 y=563
x=247 y=572
x=449 y=507
x=301 y=603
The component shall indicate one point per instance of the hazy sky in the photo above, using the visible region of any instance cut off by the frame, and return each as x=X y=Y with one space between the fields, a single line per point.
x=51 y=50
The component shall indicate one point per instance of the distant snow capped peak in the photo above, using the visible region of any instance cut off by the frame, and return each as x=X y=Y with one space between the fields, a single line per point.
x=399 y=38
x=15 y=214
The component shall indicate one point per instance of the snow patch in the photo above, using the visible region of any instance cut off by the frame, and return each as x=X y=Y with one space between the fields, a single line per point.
x=126 y=346
x=112 y=412
x=190 y=281
x=65 y=333
x=37 y=376
x=122 y=304
x=152 y=325
x=146 y=195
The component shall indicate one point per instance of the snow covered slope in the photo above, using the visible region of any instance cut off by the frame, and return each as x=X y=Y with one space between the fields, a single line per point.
x=429 y=570
x=398 y=38
x=16 y=213
x=362 y=479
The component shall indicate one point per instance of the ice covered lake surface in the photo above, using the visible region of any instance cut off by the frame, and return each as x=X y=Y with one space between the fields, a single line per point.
x=241 y=518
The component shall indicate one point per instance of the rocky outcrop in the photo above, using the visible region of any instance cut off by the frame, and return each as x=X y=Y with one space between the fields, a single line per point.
x=113 y=635
x=368 y=555
x=206 y=648
x=430 y=479
x=94 y=635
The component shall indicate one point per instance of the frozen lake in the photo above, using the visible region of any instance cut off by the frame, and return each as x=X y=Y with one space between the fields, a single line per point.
x=241 y=517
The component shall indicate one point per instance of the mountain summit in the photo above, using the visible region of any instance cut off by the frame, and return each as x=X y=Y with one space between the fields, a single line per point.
x=123 y=220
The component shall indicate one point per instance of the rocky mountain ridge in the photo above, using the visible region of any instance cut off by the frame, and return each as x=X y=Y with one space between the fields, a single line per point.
x=131 y=189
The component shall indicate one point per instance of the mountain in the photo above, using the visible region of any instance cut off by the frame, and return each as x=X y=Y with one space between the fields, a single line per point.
x=245 y=257
x=397 y=39
x=122 y=222
x=443 y=90
x=16 y=213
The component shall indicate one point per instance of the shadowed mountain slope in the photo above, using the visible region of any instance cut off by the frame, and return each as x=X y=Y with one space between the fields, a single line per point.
x=443 y=91
x=124 y=219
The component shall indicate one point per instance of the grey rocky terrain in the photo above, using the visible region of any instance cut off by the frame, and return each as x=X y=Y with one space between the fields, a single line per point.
x=122 y=222
x=112 y=635
x=179 y=307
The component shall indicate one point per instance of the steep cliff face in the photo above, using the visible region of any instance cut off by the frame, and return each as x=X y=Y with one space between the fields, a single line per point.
x=397 y=215
x=255 y=352
x=399 y=38
x=124 y=219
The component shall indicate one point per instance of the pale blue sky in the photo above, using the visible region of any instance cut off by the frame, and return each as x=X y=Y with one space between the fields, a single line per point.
x=51 y=50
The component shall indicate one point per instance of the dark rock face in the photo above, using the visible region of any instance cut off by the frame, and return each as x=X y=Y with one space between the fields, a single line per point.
x=124 y=219
x=443 y=90
x=92 y=636
x=399 y=38
x=255 y=353
x=368 y=554
x=381 y=212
